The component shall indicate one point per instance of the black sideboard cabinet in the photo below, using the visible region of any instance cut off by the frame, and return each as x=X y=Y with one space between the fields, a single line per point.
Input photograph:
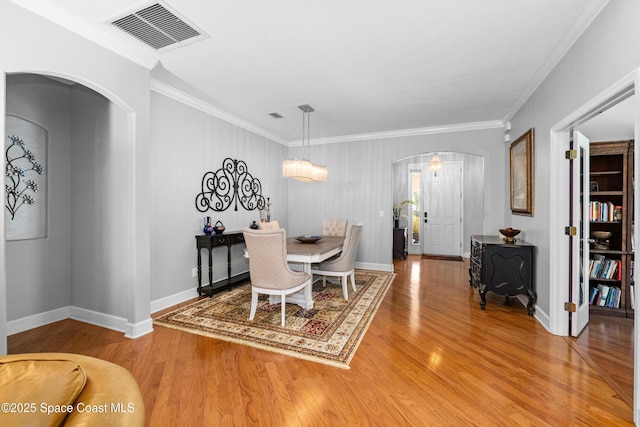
x=503 y=268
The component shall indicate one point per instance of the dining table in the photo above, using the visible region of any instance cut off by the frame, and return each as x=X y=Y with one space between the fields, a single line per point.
x=306 y=252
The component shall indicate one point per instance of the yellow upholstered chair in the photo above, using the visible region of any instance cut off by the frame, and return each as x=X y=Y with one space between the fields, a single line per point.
x=344 y=265
x=268 y=268
x=334 y=227
x=92 y=392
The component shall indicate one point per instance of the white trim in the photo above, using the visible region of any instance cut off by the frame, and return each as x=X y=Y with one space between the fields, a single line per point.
x=557 y=321
x=573 y=33
x=558 y=208
x=96 y=318
x=175 y=299
x=102 y=320
x=192 y=101
x=375 y=266
x=136 y=330
x=460 y=127
x=37 y=320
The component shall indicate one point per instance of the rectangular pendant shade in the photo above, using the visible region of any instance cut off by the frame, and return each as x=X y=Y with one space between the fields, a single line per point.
x=304 y=170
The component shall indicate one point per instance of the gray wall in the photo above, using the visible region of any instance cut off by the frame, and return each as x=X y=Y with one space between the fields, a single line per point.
x=360 y=185
x=187 y=144
x=80 y=262
x=606 y=52
x=39 y=270
x=125 y=84
x=99 y=179
x=162 y=171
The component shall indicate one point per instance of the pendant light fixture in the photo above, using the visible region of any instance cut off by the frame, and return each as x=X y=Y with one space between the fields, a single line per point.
x=435 y=164
x=303 y=169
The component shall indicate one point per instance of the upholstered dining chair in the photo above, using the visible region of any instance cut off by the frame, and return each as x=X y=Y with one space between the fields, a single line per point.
x=270 y=274
x=271 y=225
x=334 y=227
x=344 y=265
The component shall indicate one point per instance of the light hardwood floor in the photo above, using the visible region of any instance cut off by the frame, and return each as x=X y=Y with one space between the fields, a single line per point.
x=430 y=357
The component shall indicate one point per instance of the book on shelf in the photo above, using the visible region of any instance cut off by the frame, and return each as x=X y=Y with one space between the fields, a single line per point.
x=604 y=212
x=601 y=267
x=605 y=296
x=593 y=295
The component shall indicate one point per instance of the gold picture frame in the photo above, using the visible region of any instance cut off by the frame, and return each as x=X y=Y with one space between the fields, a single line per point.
x=521 y=174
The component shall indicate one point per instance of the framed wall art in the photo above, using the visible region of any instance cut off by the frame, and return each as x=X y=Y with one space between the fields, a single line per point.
x=521 y=173
x=25 y=180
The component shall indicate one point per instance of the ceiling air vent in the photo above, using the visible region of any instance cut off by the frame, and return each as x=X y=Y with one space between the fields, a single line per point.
x=158 y=27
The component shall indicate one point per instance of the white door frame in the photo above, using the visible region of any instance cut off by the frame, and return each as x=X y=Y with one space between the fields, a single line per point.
x=580 y=245
x=559 y=211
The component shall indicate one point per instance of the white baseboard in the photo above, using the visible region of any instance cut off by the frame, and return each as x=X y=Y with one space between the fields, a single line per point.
x=99 y=319
x=136 y=330
x=171 y=300
x=37 y=320
x=108 y=321
x=375 y=266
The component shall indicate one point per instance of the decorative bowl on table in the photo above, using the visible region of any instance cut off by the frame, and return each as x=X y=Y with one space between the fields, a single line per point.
x=308 y=238
x=601 y=239
x=509 y=234
x=219 y=227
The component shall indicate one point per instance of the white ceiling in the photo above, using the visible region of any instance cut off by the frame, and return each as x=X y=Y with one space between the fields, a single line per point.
x=366 y=66
x=616 y=123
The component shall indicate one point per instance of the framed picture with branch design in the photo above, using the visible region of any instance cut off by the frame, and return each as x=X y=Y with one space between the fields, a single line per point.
x=25 y=180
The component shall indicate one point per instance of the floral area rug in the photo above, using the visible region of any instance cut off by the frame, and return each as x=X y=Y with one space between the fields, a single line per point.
x=329 y=333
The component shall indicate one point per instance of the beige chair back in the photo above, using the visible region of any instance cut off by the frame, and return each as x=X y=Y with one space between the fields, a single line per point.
x=334 y=227
x=271 y=225
x=347 y=259
x=268 y=266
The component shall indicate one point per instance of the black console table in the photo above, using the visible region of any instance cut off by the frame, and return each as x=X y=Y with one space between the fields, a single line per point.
x=227 y=239
x=400 y=243
x=502 y=267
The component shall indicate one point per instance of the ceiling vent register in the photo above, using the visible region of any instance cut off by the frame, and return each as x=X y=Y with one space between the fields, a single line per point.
x=158 y=27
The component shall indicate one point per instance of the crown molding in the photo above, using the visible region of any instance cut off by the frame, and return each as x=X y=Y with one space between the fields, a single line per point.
x=194 y=102
x=573 y=33
x=205 y=107
x=460 y=127
x=89 y=32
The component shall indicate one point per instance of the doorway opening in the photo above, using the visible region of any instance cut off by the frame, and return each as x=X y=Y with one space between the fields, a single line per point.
x=461 y=174
x=83 y=268
x=590 y=119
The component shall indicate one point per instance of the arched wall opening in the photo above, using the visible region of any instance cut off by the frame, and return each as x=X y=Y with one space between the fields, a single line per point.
x=472 y=190
x=84 y=267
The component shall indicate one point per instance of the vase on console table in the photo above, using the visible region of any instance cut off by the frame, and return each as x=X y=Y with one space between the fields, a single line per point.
x=208 y=229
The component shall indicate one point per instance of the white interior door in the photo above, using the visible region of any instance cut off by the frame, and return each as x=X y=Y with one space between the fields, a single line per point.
x=442 y=216
x=580 y=244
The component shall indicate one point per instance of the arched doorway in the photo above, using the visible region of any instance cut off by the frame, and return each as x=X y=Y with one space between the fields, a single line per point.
x=409 y=177
x=83 y=267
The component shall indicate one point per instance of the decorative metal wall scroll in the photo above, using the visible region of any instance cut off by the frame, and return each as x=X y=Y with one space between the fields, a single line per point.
x=25 y=180
x=231 y=184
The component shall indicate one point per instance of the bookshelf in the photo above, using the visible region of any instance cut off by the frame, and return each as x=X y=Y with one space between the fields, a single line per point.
x=610 y=220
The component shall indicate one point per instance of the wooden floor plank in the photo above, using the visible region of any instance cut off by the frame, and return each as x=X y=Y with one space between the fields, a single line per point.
x=430 y=357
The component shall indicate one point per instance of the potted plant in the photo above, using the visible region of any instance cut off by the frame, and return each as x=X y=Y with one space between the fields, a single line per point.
x=397 y=210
